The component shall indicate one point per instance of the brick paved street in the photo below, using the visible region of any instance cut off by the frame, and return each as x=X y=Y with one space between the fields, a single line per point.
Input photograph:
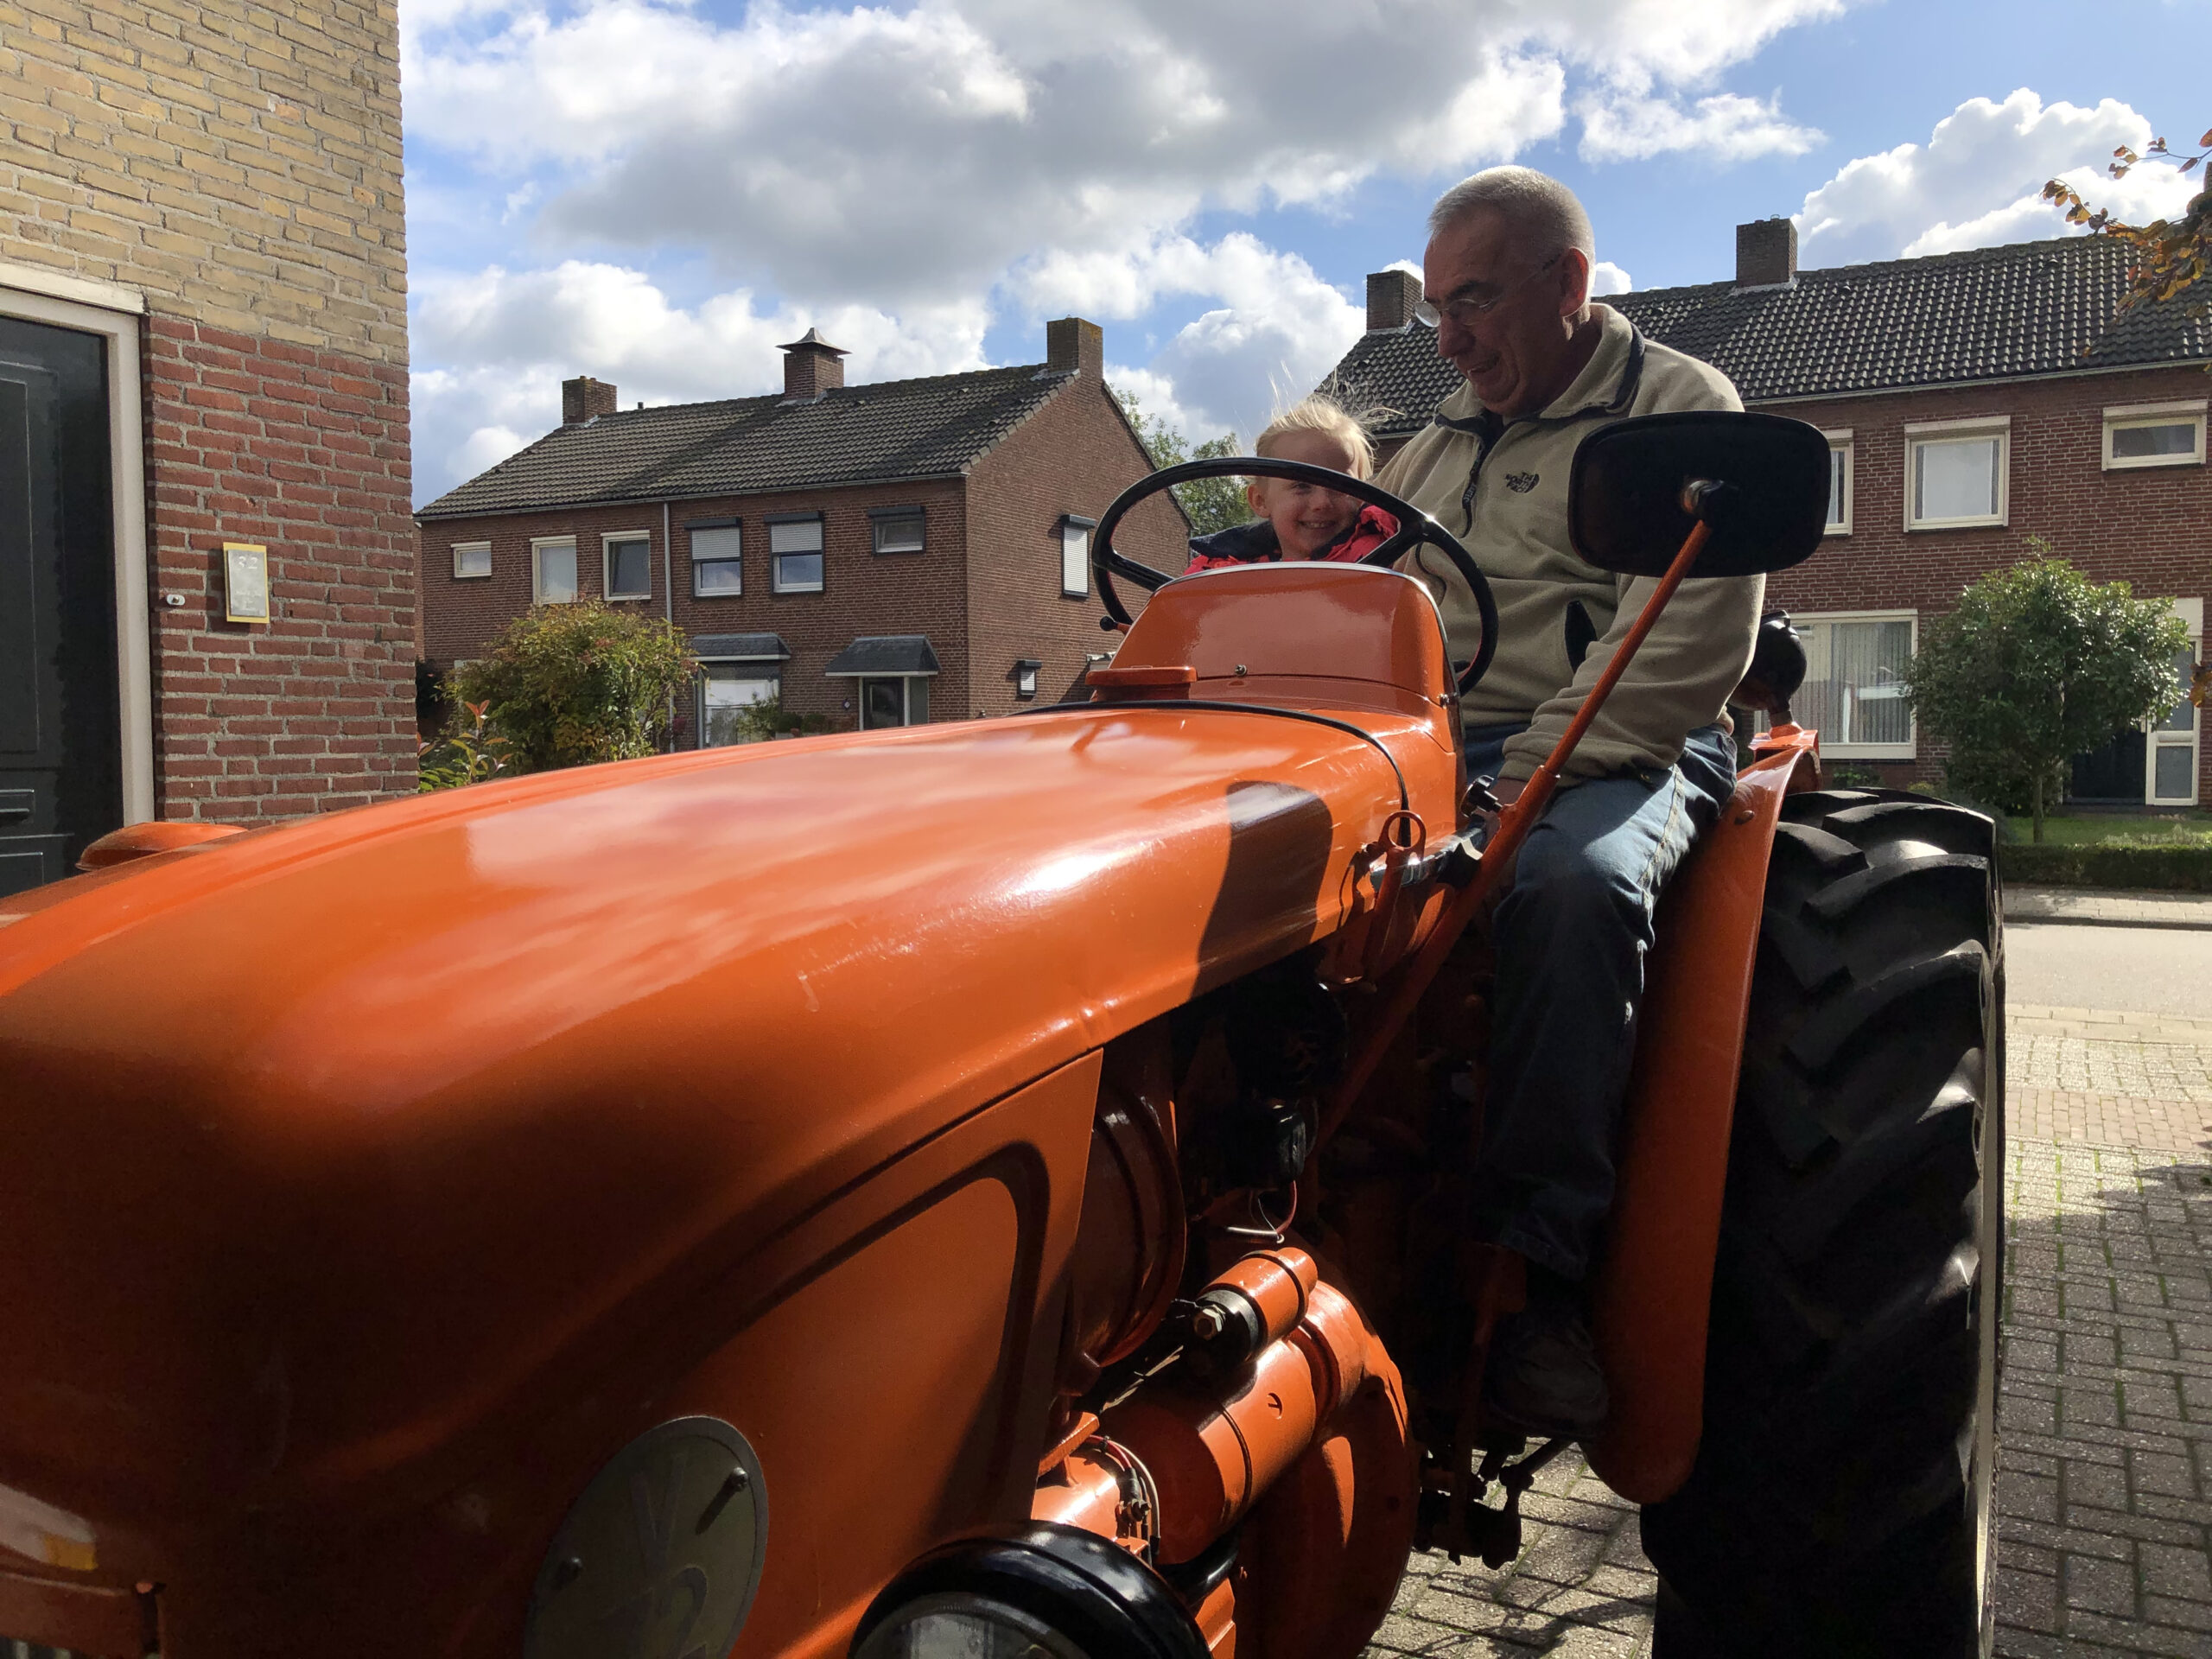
x=2105 y=1467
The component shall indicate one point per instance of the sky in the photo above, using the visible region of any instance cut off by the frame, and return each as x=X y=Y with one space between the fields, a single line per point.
x=657 y=192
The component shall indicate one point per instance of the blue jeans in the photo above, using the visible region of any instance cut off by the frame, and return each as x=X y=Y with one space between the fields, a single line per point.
x=1570 y=938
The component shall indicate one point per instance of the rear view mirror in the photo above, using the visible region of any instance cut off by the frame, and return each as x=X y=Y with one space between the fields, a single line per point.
x=1629 y=500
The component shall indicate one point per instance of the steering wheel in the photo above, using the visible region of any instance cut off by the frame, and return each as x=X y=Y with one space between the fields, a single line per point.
x=1416 y=528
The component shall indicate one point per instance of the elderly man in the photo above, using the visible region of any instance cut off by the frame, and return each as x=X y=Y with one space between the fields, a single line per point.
x=1506 y=283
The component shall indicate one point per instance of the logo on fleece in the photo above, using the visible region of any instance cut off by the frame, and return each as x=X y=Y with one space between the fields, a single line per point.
x=1521 y=483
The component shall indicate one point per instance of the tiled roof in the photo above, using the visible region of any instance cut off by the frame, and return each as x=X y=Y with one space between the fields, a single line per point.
x=1988 y=313
x=886 y=653
x=893 y=430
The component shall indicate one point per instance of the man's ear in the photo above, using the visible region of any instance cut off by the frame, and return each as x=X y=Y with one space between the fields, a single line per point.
x=1573 y=282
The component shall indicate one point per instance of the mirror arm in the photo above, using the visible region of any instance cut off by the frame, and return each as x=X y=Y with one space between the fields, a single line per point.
x=1513 y=827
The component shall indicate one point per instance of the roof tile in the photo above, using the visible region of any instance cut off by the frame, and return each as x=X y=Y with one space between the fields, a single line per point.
x=935 y=427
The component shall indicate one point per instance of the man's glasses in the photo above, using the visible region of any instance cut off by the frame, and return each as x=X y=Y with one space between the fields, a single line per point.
x=1468 y=311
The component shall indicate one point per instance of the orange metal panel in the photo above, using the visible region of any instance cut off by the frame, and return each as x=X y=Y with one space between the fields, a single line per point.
x=94 y=1620
x=1654 y=1292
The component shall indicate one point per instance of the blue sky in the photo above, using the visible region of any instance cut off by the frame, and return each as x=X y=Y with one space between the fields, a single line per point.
x=657 y=192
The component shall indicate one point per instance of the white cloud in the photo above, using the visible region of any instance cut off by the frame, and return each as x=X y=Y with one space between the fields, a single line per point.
x=1977 y=180
x=838 y=153
x=1607 y=278
x=1725 y=126
x=893 y=174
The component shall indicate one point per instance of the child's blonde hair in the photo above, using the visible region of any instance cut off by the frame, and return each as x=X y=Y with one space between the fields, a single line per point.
x=1323 y=414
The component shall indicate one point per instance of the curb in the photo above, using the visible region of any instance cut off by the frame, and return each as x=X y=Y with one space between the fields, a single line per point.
x=2108 y=908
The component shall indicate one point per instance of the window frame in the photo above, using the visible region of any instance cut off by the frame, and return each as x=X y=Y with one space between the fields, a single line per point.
x=878 y=516
x=860 y=684
x=2191 y=612
x=460 y=548
x=607 y=541
x=1075 y=521
x=538 y=544
x=820 y=550
x=1919 y=434
x=1841 y=442
x=1838 y=750
x=2188 y=411
x=691 y=530
x=765 y=668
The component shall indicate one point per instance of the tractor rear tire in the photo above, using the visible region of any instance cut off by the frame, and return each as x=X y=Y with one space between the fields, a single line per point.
x=1840 y=1505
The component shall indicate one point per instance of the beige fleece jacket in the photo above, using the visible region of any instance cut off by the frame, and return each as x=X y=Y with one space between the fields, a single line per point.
x=1501 y=488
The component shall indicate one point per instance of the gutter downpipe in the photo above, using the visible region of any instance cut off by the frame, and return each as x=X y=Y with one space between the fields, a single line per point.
x=668 y=604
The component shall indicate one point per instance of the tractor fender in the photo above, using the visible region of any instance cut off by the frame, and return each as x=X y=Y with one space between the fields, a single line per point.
x=1653 y=1293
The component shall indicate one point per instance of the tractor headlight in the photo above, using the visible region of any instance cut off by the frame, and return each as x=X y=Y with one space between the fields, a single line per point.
x=955 y=1626
x=1038 y=1591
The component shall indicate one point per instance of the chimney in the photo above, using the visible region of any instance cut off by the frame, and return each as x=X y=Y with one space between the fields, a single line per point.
x=1072 y=345
x=812 y=366
x=1391 y=296
x=585 y=399
x=1766 y=253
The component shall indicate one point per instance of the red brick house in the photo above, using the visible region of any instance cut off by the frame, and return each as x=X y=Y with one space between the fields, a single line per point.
x=1972 y=402
x=883 y=554
x=207 y=557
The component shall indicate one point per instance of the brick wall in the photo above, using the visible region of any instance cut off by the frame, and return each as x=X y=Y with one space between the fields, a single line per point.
x=240 y=168
x=2151 y=527
x=304 y=452
x=862 y=591
x=1074 y=455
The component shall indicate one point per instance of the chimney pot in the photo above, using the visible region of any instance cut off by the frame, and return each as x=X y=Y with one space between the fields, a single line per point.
x=1391 y=296
x=1766 y=253
x=812 y=366
x=584 y=399
x=1072 y=345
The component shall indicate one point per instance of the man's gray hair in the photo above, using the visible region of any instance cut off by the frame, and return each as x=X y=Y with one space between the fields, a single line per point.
x=1544 y=215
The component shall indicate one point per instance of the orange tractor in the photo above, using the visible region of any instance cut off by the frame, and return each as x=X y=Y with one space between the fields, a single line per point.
x=993 y=1190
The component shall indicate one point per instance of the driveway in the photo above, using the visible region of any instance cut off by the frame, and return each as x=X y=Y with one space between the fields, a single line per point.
x=2105 y=1459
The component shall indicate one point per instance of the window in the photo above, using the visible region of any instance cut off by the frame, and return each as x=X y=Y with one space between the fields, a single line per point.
x=717 y=570
x=1075 y=555
x=1839 y=453
x=1956 y=474
x=795 y=554
x=903 y=700
x=2172 y=760
x=553 y=571
x=471 y=560
x=1856 y=668
x=2154 y=434
x=628 y=565
x=725 y=691
x=1026 y=669
x=898 y=530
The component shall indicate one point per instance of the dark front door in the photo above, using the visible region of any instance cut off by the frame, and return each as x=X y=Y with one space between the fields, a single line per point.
x=2112 y=773
x=61 y=742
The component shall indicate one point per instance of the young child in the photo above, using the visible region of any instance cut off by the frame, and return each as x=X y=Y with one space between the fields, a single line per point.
x=1294 y=520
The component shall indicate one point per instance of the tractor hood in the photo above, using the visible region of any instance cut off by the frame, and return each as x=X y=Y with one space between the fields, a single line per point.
x=317 y=1143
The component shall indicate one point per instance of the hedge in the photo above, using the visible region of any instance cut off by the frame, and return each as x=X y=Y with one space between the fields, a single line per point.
x=2172 y=869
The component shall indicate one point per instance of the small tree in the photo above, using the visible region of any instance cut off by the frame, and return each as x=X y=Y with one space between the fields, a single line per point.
x=567 y=685
x=2038 y=664
x=1211 y=504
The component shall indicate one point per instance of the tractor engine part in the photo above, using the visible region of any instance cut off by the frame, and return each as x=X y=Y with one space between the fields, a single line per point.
x=1036 y=1589
x=1259 y=1301
x=1210 y=1453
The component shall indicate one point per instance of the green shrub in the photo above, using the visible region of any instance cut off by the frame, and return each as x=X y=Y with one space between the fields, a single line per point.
x=569 y=685
x=2174 y=869
x=468 y=754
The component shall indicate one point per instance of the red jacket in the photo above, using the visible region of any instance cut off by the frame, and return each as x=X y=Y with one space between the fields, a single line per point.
x=1255 y=543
